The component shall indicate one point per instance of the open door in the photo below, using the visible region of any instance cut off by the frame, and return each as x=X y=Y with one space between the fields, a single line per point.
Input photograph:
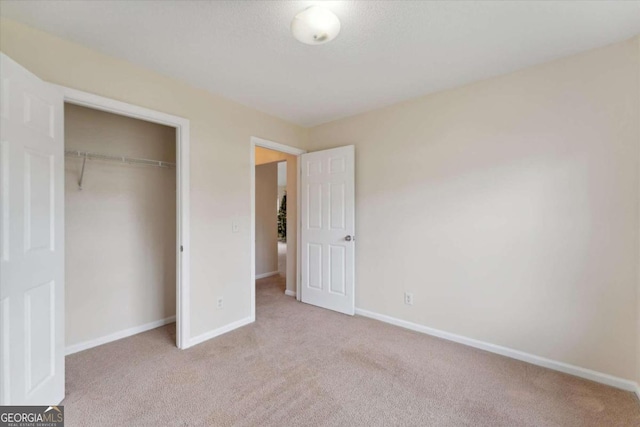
x=32 y=240
x=327 y=229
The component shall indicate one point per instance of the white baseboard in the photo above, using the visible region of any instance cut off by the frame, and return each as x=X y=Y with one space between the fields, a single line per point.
x=221 y=330
x=263 y=275
x=290 y=293
x=638 y=391
x=508 y=352
x=117 y=335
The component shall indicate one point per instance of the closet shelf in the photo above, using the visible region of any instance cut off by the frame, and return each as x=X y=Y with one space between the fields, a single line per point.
x=107 y=157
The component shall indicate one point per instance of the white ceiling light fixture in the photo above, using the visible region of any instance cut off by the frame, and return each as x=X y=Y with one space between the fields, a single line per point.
x=315 y=25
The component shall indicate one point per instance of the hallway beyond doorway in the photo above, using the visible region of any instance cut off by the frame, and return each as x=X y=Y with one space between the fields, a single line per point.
x=282 y=259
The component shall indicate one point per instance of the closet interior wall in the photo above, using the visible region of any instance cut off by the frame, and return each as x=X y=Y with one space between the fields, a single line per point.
x=120 y=228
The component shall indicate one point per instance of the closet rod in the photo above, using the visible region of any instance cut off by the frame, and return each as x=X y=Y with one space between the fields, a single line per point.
x=122 y=159
x=84 y=155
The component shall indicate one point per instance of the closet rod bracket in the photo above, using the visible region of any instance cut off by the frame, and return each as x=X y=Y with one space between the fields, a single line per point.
x=84 y=161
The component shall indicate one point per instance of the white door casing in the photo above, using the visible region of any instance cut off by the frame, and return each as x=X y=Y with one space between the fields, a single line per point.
x=32 y=239
x=90 y=100
x=327 y=229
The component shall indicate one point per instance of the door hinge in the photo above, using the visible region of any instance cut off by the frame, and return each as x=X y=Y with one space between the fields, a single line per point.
x=181 y=248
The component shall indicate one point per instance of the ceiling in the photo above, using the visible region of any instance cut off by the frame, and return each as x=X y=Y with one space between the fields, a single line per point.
x=387 y=51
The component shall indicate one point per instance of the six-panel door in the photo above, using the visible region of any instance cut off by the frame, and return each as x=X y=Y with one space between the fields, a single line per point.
x=32 y=239
x=328 y=225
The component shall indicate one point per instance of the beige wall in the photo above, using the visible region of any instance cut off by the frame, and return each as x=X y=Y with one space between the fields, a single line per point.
x=120 y=229
x=265 y=155
x=266 y=218
x=509 y=207
x=219 y=163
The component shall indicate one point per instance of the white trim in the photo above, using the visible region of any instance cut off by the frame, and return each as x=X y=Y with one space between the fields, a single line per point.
x=265 y=143
x=299 y=234
x=117 y=335
x=263 y=275
x=290 y=293
x=638 y=299
x=183 y=307
x=508 y=352
x=222 y=330
x=97 y=102
x=252 y=229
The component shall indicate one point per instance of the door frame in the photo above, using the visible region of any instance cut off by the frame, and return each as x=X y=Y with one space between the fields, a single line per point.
x=265 y=143
x=183 y=255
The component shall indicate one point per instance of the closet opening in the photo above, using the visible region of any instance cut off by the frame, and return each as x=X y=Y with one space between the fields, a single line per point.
x=121 y=227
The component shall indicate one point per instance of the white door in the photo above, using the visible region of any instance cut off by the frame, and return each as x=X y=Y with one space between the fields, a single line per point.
x=328 y=226
x=32 y=239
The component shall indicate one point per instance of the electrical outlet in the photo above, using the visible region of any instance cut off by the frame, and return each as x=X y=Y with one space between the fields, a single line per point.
x=408 y=298
x=220 y=302
x=235 y=227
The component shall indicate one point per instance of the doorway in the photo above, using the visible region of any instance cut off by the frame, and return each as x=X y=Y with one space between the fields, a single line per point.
x=269 y=156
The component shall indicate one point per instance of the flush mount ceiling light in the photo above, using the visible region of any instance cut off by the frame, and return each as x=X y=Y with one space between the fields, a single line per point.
x=315 y=25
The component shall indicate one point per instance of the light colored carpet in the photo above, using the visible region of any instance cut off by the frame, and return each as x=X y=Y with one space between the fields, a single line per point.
x=302 y=365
